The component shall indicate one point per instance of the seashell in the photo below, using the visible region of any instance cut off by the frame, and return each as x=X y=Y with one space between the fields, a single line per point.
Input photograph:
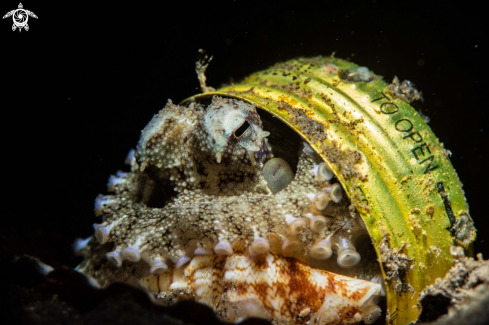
x=272 y=287
x=219 y=210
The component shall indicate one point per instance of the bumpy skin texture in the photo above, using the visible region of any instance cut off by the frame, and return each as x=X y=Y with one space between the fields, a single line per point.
x=201 y=151
x=196 y=188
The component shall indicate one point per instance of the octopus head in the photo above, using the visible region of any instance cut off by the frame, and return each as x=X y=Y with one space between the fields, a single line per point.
x=232 y=130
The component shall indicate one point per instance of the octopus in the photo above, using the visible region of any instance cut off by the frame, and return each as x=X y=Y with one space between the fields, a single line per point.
x=248 y=221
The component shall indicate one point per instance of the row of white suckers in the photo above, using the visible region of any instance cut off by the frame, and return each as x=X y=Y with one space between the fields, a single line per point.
x=322 y=250
x=347 y=255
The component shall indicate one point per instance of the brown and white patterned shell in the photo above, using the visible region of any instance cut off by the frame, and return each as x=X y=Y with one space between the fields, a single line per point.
x=271 y=287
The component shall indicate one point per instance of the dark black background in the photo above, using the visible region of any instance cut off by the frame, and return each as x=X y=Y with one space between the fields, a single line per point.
x=78 y=87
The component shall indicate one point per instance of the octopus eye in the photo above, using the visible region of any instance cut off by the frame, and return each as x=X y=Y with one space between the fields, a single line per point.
x=238 y=133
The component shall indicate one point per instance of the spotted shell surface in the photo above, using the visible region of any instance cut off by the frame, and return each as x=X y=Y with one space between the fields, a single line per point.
x=270 y=287
x=314 y=162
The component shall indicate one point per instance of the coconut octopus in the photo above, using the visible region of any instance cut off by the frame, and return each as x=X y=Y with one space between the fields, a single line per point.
x=247 y=221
